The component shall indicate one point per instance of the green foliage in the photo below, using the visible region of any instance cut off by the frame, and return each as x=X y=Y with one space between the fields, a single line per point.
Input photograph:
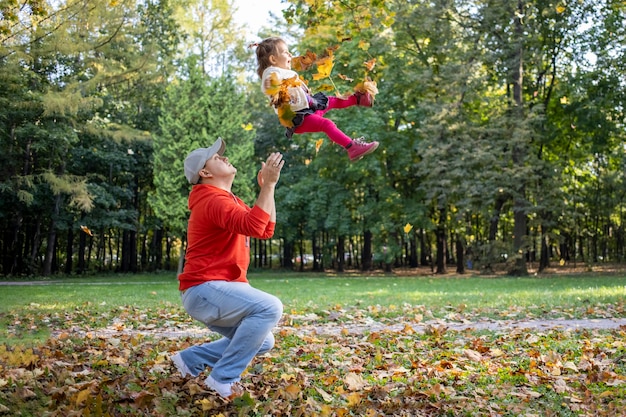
x=501 y=127
x=195 y=112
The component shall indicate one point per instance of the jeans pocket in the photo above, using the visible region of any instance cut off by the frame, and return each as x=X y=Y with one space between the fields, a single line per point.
x=201 y=308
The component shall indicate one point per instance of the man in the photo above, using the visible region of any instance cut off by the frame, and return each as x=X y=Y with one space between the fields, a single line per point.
x=214 y=287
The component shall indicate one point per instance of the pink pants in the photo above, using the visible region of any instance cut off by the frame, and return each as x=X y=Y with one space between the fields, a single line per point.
x=317 y=123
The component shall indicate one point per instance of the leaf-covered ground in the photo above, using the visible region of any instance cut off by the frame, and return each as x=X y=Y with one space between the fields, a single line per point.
x=362 y=362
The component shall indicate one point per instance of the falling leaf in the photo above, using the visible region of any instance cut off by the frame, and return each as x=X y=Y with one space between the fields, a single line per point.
x=369 y=65
x=318 y=145
x=324 y=68
x=247 y=127
x=408 y=227
x=345 y=77
x=560 y=8
x=303 y=62
x=86 y=230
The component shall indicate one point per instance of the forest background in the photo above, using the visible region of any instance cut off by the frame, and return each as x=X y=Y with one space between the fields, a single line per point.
x=501 y=127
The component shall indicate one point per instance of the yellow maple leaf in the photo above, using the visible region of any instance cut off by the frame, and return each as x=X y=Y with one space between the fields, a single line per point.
x=247 y=127
x=560 y=8
x=324 y=67
x=408 y=227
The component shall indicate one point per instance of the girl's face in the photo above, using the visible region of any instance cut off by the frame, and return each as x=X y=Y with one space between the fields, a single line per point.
x=282 y=58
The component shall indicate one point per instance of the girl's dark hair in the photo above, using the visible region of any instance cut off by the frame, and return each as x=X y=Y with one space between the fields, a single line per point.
x=267 y=47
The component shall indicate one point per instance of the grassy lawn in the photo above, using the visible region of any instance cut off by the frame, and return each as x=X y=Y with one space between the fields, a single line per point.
x=53 y=361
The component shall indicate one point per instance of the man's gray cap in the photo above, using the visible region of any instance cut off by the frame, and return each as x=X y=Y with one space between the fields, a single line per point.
x=196 y=159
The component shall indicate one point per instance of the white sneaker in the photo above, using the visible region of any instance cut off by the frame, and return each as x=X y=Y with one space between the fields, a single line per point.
x=227 y=390
x=180 y=365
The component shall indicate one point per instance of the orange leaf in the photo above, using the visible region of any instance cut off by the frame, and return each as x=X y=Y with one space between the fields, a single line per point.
x=303 y=62
x=369 y=65
x=86 y=230
x=345 y=77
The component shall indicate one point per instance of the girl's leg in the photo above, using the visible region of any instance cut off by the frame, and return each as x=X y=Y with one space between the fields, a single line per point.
x=314 y=123
x=340 y=103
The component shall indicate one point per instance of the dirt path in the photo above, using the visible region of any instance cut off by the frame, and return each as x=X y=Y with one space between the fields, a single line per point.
x=337 y=329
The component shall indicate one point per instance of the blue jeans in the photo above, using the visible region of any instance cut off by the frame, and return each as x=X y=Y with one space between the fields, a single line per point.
x=242 y=314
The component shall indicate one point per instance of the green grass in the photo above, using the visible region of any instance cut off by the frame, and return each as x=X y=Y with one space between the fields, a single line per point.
x=309 y=292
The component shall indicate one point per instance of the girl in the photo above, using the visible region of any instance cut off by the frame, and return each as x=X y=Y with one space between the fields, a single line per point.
x=274 y=66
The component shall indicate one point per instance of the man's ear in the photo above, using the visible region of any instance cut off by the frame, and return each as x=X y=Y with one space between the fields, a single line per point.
x=204 y=173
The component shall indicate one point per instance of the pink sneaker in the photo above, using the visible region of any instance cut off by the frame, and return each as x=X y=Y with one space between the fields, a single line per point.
x=364 y=99
x=359 y=148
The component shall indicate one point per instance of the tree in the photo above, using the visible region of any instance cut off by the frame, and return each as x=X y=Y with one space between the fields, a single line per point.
x=196 y=111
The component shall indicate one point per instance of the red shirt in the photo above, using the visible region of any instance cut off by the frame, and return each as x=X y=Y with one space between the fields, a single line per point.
x=218 y=236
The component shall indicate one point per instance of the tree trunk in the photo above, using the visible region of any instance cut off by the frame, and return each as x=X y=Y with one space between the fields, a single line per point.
x=69 y=250
x=460 y=255
x=413 y=251
x=52 y=235
x=341 y=250
x=544 y=257
x=288 y=251
x=425 y=251
x=315 y=248
x=519 y=203
x=181 y=255
x=366 y=255
x=440 y=232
